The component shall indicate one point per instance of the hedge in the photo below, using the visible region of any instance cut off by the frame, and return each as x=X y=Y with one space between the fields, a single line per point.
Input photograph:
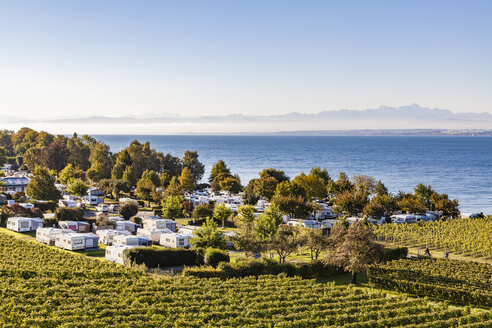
x=47 y=206
x=162 y=258
x=315 y=269
x=394 y=253
x=214 y=256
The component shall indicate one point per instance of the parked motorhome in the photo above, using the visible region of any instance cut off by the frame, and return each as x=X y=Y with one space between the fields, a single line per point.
x=95 y=192
x=91 y=240
x=127 y=226
x=115 y=253
x=21 y=224
x=48 y=235
x=132 y=240
x=106 y=236
x=77 y=226
x=156 y=222
x=70 y=241
x=67 y=203
x=92 y=200
x=175 y=240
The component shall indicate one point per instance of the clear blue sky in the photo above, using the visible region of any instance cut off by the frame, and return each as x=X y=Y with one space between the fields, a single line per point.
x=66 y=58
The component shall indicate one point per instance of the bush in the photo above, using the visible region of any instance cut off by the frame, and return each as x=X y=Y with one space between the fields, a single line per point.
x=162 y=258
x=394 y=253
x=158 y=212
x=250 y=267
x=19 y=210
x=214 y=256
x=47 y=206
x=69 y=214
x=202 y=211
x=137 y=220
x=19 y=197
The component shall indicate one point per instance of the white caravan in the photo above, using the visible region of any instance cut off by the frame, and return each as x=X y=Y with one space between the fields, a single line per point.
x=70 y=241
x=115 y=253
x=48 y=235
x=21 y=224
x=175 y=240
x=131 y=240
x=91 y=240
x=155 y=222
x=106 y=236
x=155 y=235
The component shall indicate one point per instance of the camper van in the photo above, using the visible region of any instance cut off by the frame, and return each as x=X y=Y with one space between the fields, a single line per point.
x=91 y=240
x=188 y=230
x=115 y=253
x=70 y=241
x=156 y=222
x=21 y=224
x=77 y=226
x=48 y=235
x=155 y=235
x=106 y=236
x=92 y=200
x=127 y=226
x=102 y=208
x=131 y=240
x=175 y=240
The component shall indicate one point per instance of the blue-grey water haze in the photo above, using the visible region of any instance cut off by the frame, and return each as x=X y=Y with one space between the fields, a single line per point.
x=458 y=166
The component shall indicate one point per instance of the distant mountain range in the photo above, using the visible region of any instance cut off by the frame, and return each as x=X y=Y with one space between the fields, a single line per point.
x=404 y=118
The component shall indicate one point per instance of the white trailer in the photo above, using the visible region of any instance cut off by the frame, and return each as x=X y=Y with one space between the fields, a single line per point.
x=48 y=235
x=115 y=253
x=91 y=240
x=175 y=240
x=70 y=241
x=21 y=224
x=127 y=226
x=131 y=240
x=106 y=236
x=77 y=226
x=155 y=235
x=155 y=222
x=188 y=230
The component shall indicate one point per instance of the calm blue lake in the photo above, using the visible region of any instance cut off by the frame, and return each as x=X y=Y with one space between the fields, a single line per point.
x=458 y=166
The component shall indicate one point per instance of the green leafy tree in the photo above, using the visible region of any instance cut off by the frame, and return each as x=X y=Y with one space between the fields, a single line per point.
x=70 y=172
x=42 y=186
x=202 y=211
x=190 y=160
x=341 y=185
x=286 y=241
x=77 y=186
x=208 y=235
x=218 y=168
x=351 y=202
x=3 y=155
x=114 y=187
x=171 y=207
x=147 y=185
x=314 y=186
x=187 y=180
x=222 y=212
x=101 y=162
x=412 y=204
x=246 y=213
x=266 y=224
x=315 y=241
x=294 y=206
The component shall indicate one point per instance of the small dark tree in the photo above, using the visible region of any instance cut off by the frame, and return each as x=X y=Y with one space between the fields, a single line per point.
x=128 y=210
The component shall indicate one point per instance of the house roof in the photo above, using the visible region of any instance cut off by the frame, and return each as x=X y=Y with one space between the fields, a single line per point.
x=15 y=181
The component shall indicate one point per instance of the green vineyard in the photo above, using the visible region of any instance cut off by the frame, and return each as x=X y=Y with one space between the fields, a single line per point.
x=42 y=286
x=461 y=236
x=460 y=282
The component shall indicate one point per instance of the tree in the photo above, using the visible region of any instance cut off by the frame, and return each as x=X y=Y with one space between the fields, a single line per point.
x=286 y=240
x=208 y=236
x=147 y=185
x=101 y=162
x=364 y=184
x=231 y=184
x=171 y=207
x=42 y=186
x=314 y=186
x=246 y=213
x=315 y=241
x=202 y=211
x=174 y=188
x=77 y=187
x=222 y=212
x=380 y=205
x=350 y=202
x=321 y=173
x=70 y=172
x=114 y=187
x=190 y=160
x=3 y=155
x=412 y=204
x=294 y=206
x=267 y=223
x=78 y=152
x=442 y=203
x=128 y=210
x=424 y=193
x=218 y=168
x=274 y=173
x=356 y=250
x=55 y=155
x=266 y=186
x=341 y=185
x=187 y=180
